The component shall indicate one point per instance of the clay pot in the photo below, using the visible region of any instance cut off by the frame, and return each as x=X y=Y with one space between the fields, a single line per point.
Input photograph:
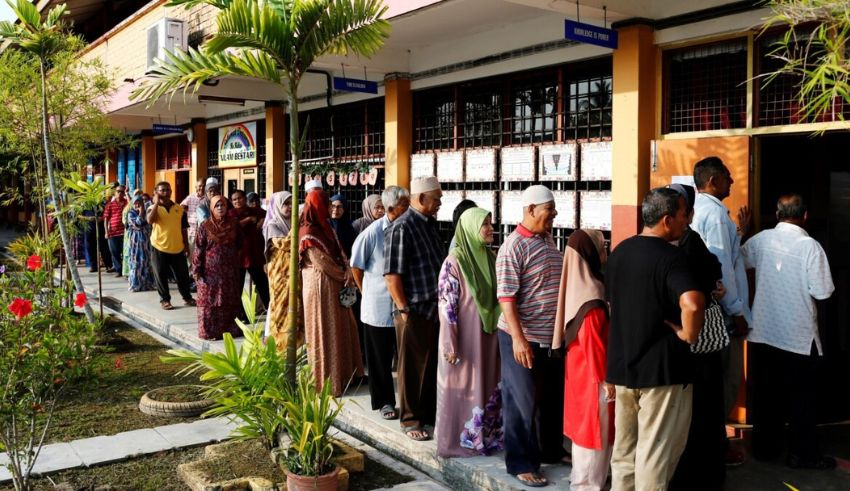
x=326 y=482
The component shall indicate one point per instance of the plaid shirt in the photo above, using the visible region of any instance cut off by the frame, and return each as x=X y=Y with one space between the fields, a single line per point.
x=191 y=203
x=413 y=249
x=114 y=218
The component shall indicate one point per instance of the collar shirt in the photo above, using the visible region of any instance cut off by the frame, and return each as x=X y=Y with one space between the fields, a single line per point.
x=113 y=215
x=718 y=231
x=792 y=271
x=190 y=203
x=367 y=255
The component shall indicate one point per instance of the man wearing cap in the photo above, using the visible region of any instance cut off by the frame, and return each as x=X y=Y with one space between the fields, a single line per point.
x=413 y=255
x=528 y=275
x=313 y=184
x=190 y=203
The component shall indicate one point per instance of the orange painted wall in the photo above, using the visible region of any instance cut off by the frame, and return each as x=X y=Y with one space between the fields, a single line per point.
x=398 y=126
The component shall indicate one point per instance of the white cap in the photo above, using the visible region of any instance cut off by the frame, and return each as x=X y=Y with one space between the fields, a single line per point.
x=311 y=185
x=424 y=184
x=536 y=195
x=211 y=181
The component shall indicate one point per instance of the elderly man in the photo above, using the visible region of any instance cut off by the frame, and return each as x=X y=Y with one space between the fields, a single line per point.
x=191 y=203
x=367 y=266
x=413 y=255
x=528 y=275
x=792 y=272
x=113 y=221
x=657 y=309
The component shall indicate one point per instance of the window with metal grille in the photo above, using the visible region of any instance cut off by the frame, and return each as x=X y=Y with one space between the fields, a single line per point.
x=533 y=109
x=375 y=128
x=350 y=127
x=706 y=87
x=317 y=145
x=588 y=102
x=777 y=98
x=482 y=115
x=173 y=153
x=434 y=120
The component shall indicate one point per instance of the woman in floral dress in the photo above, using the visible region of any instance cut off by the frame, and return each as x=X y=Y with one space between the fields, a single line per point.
x=139 y=275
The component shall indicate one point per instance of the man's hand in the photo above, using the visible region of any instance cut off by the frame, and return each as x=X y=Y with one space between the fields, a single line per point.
x=720 y=292
x=745 y=217
x=610 y=392
x=523 y=354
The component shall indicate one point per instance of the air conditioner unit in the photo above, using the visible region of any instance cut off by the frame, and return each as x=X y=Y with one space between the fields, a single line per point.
x=166 y=34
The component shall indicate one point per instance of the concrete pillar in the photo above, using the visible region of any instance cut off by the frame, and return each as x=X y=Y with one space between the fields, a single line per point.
x=634 y=123
x=398 y=117
x=275 y=147
x=148 y=163
x=111 y=168
x=199 y=153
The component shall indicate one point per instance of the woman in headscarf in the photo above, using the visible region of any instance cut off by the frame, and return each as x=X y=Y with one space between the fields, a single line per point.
x=276 y=230
x=140 y=274
x=253 y=200
x=581 y=323
x=216 y=266
x=250 y=222
x=373 y=209
x=333 y=348
x=702 y=465
x=341 y=223
x=469 y=420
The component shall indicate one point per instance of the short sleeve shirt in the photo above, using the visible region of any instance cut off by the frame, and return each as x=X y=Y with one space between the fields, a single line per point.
x=644 y=279
x=167 y=230
x=367 y=255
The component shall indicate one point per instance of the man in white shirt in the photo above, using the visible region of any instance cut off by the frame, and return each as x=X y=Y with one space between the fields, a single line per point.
x=718 y=231
x=792 y=272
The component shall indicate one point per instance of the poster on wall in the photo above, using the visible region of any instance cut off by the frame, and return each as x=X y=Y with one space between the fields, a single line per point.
x=511 y=209
x=481 y=165
x=595 y=209
x=519 y=163
x=565 y=203
x=486 y=200
x=596 y=161
x=450 y=166
x=421 y=165
x=558 y=162
x=450 y=202
x=237 y=145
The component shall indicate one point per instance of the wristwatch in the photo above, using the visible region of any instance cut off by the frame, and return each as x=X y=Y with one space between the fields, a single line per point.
x=403 y=310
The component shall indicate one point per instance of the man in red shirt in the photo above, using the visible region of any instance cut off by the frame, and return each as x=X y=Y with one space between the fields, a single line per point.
x=113 y=221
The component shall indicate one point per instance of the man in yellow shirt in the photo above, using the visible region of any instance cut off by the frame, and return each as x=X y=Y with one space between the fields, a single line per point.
x=169 y=245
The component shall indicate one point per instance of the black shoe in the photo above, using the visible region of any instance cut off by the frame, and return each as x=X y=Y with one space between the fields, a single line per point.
x=93 y=270
x=822 y=463
x=118 y=275
x=110 y=270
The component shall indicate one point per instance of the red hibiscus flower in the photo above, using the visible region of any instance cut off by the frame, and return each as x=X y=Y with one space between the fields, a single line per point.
x=34 y=263
x=21 y=307
x=80 y=300
x=119 y=363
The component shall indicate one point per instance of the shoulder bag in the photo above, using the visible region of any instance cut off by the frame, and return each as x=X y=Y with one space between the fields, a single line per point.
x=713 y=336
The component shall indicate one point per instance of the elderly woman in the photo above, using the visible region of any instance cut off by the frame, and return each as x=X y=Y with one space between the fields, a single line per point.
x=341 y=223
x=581 y=324
x=139 y=275
x=276 y=230
x=373 y=209
x=216 y=268
x=469 y=420
x=250 y=222
x=333 y=349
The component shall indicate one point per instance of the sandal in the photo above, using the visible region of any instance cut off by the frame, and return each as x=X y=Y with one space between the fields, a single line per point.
x=539 y=481
x=388 y=412
x=166 y=306
x=410 y=430
x=190 y=302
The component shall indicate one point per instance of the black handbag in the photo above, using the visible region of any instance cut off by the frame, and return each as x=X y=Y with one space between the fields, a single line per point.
x=713 y=336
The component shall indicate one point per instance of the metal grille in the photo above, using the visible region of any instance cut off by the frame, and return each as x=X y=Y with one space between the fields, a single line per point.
x=588 y=105
x=706 y=87
x=173 y=153
x=434 y=120
x=350 y=128
x=375 y=128
x=482 y=116
x=534 y=115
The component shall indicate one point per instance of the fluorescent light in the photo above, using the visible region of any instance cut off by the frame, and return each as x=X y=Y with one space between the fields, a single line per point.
x=214 y=99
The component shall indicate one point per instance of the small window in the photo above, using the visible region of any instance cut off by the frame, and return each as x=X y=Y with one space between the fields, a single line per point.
x=533 y=110
x=433 y=126
x=482 y=116
x=588 y=107
x=706 y=87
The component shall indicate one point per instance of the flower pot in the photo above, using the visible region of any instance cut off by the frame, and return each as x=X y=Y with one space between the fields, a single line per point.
x=326 y=482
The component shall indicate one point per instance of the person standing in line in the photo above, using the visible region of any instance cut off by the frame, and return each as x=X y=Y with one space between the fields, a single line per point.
x=373 y=209
x=333 y=349
x=253 y=200
x=276 y=230
x=252 y=260
x=341 y=223
x=582 y=325
x=792 y=273
x=469 y=419
x=657 y=310
x=461 y=207
x=125 y=220
x=215 y=263
x=170 y=245
x=718 y=232
x=367 y=266
x=139 y=239
x=413 y=255
x=191 y=203
x=112 y=220
x=527 y=277
x=211 y=189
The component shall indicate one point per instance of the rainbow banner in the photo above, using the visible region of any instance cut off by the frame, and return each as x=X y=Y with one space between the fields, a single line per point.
x=237 y=145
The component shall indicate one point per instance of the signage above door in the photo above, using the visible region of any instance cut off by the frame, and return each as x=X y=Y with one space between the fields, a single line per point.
x=355 y=85
x=590 y=34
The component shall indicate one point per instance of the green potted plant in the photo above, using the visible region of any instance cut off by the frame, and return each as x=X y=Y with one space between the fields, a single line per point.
x=308 y=459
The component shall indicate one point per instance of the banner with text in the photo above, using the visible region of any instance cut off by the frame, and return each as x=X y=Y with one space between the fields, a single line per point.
x=237 y=145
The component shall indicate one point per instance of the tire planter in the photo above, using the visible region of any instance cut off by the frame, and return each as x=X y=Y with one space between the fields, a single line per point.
x=326 y=482
x=150 y=405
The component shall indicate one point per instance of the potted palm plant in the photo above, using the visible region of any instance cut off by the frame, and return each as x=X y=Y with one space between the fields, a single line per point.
x=308 y=459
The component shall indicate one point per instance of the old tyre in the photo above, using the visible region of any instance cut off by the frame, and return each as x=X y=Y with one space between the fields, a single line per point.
x=150 y=404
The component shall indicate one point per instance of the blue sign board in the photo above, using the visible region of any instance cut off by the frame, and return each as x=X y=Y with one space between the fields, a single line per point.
x=162 y=129
x=590 y=34
x=355 y=85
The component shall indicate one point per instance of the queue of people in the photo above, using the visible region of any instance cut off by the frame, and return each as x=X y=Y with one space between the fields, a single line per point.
x=514 y=349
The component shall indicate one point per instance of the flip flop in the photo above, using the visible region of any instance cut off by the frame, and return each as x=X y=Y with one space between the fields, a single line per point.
x=190 y=302
x=409 y=430
x=534 y=484
x=166 y=306
x=388 y=412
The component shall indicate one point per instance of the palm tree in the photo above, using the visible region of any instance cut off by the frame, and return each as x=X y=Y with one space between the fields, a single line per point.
x=43 y=39
x=275 y=41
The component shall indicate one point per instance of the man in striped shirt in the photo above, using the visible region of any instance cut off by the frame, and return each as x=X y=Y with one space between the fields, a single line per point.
x=528 y=274
x=113 y=216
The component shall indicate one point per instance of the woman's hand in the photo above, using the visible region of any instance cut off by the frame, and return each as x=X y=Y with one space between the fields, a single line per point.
x=452 y=358
x=349 y=277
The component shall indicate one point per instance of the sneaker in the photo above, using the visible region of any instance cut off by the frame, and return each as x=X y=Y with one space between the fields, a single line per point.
x=822 y=463
x=734 y=457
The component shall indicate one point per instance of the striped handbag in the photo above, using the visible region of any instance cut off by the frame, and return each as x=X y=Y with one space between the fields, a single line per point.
x=713 y=336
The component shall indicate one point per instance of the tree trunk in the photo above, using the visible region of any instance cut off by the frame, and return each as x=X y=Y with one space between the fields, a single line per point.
x=97 y=261
x=57 y=202
x=294 y=271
